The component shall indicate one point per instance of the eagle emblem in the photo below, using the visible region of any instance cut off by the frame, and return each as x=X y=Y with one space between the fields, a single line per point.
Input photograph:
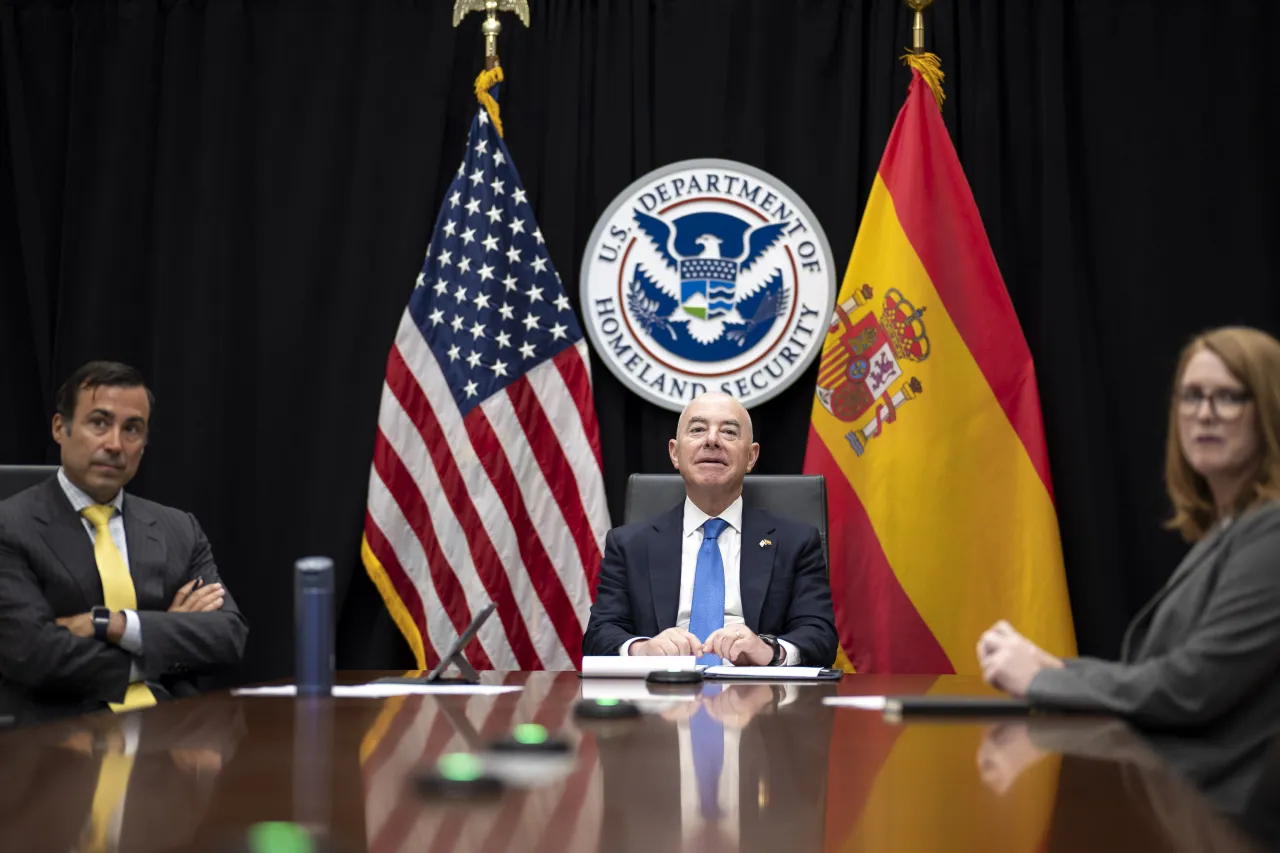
x=461 y=8
x=707 y=285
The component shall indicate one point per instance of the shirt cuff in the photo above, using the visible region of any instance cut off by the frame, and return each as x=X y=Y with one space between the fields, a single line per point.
x=791 y=656
x=131 y=642
x=623 y=649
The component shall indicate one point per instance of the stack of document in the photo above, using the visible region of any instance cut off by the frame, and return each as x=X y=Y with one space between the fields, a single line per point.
x=616 y=666
x=765 y=673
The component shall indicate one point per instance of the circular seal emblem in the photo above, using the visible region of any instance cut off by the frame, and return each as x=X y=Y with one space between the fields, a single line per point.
x=707 y=275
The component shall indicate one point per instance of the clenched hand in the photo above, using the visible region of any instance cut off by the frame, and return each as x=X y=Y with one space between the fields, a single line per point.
x=203 y=600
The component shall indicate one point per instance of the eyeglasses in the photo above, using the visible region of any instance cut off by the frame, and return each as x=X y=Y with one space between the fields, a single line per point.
x=1225 y=403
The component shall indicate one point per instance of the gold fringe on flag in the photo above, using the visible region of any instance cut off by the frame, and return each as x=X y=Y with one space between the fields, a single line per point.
x=930 y=68
x=485 y=82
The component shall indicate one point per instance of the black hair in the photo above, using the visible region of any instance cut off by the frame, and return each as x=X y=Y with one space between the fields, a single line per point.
x=97 y=374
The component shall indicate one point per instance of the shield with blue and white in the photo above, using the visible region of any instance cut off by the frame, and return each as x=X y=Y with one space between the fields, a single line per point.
x=713 y=285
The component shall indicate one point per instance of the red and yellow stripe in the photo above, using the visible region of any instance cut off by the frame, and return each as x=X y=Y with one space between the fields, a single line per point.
x=946 y=522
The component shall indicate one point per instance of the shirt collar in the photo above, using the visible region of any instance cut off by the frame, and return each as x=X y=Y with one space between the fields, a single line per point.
x=79 y=500
x=694 y=517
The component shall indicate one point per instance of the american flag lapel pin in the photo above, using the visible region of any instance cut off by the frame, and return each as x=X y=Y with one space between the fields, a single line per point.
x=766 y=543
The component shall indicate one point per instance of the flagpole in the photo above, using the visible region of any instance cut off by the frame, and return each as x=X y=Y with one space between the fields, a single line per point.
x=917 y=24
x=918 y=58
x=491 y=27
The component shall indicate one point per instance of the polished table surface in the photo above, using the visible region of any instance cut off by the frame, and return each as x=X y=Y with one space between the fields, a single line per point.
x=745 y=766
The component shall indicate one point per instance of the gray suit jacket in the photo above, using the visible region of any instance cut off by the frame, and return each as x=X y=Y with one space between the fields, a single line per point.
x=1203 y=657
x=47 y=571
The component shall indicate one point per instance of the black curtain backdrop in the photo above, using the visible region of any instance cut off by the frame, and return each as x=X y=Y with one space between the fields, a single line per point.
x=235 y=197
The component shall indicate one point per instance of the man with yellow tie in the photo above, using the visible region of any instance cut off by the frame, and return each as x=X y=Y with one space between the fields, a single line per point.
x=105 y=599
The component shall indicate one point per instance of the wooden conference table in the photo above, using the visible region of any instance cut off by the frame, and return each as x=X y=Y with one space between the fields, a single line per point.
x=741 y=767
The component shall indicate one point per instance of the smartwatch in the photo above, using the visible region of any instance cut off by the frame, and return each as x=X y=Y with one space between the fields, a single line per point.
x=773 y=643
x=101 y=618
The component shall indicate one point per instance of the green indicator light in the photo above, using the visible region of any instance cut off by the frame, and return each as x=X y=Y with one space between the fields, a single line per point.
x=460 y=767
x=607 y=703
x=279 y=837
x=529 y=733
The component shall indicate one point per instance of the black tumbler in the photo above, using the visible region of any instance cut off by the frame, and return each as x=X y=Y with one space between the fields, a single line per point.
x=313 y=600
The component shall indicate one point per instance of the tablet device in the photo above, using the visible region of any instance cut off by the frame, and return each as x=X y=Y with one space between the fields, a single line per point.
x=466 y=672
x=936 y=705
x=454 y=654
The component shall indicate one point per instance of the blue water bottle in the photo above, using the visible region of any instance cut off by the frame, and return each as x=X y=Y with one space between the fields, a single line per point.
x=313 y=600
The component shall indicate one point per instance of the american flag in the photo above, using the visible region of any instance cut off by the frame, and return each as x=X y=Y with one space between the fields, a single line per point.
x=486 y=478
x=562 y=815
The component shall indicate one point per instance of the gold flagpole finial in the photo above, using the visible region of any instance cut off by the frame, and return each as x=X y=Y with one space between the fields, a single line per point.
x=917 y=24
x=921 y=60
x=491 y=26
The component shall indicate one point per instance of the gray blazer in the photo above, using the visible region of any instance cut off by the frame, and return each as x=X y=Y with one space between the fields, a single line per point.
x=48 y=570
x=1202 y=658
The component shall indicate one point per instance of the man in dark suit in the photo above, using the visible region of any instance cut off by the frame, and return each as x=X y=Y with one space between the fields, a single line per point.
x=105 y=598
x=714 y=578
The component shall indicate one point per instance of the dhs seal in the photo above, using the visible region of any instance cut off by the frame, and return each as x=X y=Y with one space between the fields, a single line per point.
x=707 y=275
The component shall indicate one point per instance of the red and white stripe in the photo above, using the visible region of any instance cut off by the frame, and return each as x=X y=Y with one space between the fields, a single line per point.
x=505 y=505
x=564 y=815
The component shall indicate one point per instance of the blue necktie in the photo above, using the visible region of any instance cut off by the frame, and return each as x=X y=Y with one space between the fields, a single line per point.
x=707 y=611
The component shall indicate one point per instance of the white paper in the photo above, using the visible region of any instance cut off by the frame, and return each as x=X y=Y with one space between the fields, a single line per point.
x=862 y=703
x=381 y=691
x=617 y=666
x=764 y=673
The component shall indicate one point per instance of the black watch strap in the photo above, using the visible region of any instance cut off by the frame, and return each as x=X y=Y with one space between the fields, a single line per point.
x=101 y=618
x=775 y=645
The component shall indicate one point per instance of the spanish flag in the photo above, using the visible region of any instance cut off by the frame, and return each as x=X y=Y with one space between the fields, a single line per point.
x=926 y=423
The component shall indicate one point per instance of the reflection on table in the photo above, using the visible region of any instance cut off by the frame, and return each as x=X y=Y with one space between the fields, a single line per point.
x=107 y=782
x=745 y=766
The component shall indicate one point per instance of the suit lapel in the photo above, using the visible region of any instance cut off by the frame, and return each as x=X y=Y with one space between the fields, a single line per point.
x=664 y=567
x=146 y=554
x=755 y=564
x=1201 y=551
x=66 y=536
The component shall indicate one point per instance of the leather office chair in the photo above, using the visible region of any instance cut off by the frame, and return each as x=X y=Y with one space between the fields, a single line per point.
x=800 y=497
x=15 y=478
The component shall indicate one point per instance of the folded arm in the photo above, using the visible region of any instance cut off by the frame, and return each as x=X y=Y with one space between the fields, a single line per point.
x=41 y=655
x=1232 y=650
x=185 y=644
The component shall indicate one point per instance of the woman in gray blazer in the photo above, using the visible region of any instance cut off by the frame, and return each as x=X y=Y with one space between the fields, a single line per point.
x=1203 y=656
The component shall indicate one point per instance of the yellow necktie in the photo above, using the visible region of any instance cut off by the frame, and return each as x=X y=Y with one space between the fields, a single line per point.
x=108 y=796
x=117 y=591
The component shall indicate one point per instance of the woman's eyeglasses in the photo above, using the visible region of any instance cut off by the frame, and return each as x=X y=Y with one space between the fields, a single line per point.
x=1225 y=403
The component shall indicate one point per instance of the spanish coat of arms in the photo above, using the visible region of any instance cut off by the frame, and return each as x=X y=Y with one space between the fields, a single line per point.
x=865 y=372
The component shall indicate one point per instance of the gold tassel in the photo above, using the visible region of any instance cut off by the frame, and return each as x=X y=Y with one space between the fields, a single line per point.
x=930 y=68
x=484 y=83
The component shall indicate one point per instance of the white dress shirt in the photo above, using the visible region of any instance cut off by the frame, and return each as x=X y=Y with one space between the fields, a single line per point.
x=131 y=642
x=730 y=542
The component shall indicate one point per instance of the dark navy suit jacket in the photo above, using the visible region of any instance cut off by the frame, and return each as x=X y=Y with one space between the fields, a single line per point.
x=784 y=584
